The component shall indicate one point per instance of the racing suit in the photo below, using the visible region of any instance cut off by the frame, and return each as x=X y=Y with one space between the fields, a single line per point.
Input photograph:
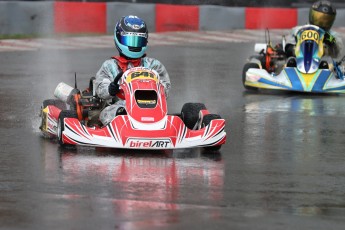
x=111 y=68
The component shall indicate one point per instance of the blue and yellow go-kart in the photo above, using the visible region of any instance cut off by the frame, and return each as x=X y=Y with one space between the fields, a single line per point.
x=308 y=71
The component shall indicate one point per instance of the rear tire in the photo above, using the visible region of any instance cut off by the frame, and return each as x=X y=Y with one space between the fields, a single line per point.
x=61 y=124
x=55 y=102
x=246 y=67
x=190 y=113
x=205 y=122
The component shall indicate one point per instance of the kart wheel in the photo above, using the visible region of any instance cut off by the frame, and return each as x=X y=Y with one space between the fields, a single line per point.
x=190 y=113
x=61 y=123
x=57 y=103
x=245 y=69
x=205 y=122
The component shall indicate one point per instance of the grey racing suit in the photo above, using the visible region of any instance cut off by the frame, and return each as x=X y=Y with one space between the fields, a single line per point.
x=106 y=74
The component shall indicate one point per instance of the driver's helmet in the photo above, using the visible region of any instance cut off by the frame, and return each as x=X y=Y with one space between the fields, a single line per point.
x=130 y=36
x=322 y=14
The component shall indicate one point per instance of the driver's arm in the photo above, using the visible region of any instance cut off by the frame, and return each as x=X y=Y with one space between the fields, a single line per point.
x=334 y=44
x=104 y=77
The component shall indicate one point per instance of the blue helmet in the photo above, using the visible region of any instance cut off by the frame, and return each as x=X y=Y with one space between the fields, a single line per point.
x=130 y=36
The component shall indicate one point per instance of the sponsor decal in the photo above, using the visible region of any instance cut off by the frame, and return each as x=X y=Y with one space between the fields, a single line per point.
x=134 y=34
x=142 y=143
x=134 y=19
x=52 y=126
x=150 y=102
x=147 y=119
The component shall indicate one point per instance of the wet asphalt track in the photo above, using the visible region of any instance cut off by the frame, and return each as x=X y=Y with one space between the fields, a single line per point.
x=281 y=168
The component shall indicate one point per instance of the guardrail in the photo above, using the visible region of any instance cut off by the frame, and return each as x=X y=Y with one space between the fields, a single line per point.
x=21 y=17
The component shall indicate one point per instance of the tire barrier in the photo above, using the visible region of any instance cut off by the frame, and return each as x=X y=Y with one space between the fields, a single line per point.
x=100 y=17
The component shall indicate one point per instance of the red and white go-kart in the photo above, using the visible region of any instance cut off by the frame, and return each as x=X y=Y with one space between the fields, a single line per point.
x=145 y=124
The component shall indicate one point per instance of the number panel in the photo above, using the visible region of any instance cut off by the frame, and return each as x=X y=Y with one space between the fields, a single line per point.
x=310 y=35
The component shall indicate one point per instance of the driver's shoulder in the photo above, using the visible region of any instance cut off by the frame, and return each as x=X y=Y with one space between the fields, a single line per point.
x=109 y=62
x=150 y=61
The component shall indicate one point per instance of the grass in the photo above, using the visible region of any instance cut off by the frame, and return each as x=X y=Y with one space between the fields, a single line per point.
x=17 y=36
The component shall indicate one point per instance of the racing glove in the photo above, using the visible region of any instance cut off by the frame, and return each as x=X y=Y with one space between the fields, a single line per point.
x=329 y=39
x=114 y=86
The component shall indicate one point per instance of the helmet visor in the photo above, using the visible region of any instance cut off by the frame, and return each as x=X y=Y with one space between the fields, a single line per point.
x=133 y=39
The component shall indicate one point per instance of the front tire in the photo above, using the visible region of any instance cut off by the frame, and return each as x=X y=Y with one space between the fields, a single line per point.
x=246 y=67
x=205 y=122
x=190 y=113
x=61 y=124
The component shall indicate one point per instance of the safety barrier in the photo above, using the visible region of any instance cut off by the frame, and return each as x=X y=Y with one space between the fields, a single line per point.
x=100 y=17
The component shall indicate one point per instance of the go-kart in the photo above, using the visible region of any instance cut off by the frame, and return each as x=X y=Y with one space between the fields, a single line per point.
x=145 y=124
x=306 y=71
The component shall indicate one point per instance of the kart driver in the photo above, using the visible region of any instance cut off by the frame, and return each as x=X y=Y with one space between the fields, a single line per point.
x=321 y=14
x=130 y=37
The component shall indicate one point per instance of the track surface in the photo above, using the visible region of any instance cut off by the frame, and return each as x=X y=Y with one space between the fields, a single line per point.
x=155 y=39
x=281 y=168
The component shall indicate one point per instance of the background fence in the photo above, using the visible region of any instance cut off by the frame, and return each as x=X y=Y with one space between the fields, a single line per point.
x=233 y=3
x=61 y=17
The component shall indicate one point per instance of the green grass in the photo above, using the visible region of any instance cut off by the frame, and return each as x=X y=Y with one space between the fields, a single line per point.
x=17 y=36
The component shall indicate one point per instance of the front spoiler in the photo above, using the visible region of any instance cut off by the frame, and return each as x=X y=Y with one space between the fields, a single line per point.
x=121 y=133
x=322 y=81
